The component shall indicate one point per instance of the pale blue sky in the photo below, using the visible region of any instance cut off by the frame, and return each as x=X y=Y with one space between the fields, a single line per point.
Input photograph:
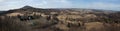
x=89 y=4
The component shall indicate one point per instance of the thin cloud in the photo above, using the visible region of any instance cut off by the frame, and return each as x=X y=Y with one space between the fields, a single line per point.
x=1 y=0
x=8 y=4
x=100 y=5
x=92 y=4
x=53 y=4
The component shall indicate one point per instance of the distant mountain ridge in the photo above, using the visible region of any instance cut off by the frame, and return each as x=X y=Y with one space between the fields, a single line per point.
x=33 y=9
x=62 y=9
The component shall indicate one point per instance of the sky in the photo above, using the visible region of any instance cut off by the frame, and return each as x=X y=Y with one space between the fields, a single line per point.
x=87 y=4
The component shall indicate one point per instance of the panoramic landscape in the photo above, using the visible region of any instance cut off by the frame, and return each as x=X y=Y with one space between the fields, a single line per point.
x=29 y=18
x=28 y=15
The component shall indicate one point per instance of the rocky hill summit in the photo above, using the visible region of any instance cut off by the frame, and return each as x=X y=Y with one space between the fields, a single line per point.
x=30 y=18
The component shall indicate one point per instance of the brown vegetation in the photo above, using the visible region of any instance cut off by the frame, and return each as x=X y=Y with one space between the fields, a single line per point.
x=34 y=19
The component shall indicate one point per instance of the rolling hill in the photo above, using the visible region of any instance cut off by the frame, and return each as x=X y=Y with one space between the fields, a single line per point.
x=30 y=18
